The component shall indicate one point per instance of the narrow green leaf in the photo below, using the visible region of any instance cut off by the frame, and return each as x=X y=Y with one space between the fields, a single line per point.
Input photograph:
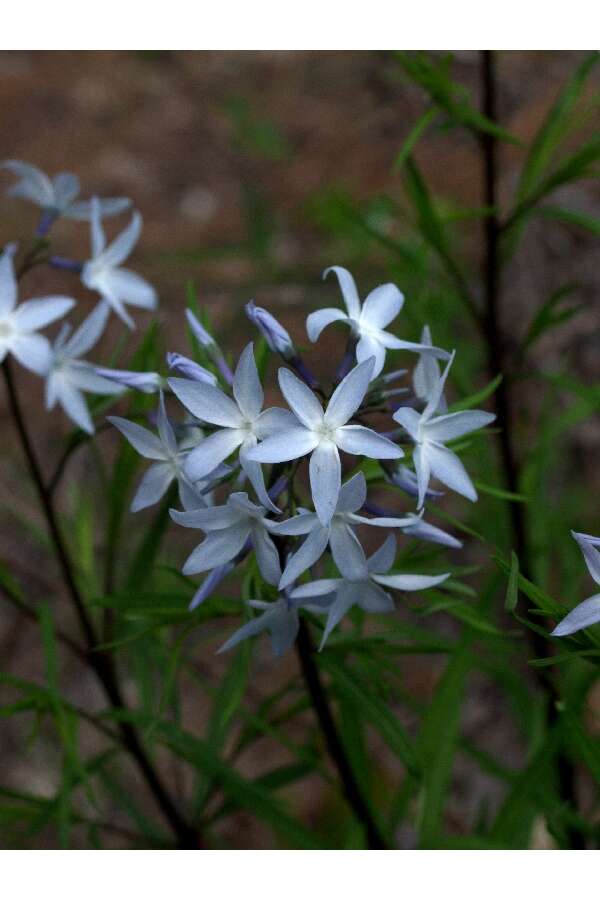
x=512 y=589
x=415 y=134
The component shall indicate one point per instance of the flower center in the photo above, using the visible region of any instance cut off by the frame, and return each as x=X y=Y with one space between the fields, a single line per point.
x=326 y=432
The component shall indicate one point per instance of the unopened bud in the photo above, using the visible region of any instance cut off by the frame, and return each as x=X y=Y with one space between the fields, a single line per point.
x=275 y=334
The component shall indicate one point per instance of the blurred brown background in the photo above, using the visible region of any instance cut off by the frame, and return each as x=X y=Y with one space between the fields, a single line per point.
x=226 y=155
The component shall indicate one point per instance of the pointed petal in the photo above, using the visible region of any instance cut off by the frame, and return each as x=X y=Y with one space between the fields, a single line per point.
x=369 y=347
x=35 y=314
x=353 y=494
x=247 y=388
x=8 y=283
x=301 y=399
x=74 y=405
x=447 y=468
x=383 y=558
x=65 y=186
x=320 y=319
x=108 y=206
x=142 y=440
x=325 y=479
x=410 y=582
x=348 y=289
x=212 y=451
x=153 y=486
x=284 y=446
x=361 y=441
x=587 y=545
x=33 y=352
x=303 y=523
x=250 y=629
x=273 y=420
x=83 y=376
x=210 y=583
x=454 y=425
x=438 y=390
x=118 y=251
x=98 y=240
x=320 y=588
x=256 y=477
x=424 y=531
x=165 y=429
x=584 y=615
x=89 y=332
x=310 y=551
x=348 y=395
x=423 y=472
x=382 y=306
x=207 y=403
x=218 y=548
x=129 y=287
x=338 y=609
x=267 y=556
x=347 y=552
x=283 y=627
x=410 y=420
x=34 y=184
x=212 y=518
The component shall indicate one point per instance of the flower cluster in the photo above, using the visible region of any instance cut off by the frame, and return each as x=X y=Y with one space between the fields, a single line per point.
x=67 y=375
x=237 y=461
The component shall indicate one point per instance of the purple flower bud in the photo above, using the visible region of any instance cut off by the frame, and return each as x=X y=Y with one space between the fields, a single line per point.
x=275 y=334
x=189 y=369
x=406 y=480
x=68 y=265
x=47 y=220
x=146 y=382
x=212 y=580
x=200 y=333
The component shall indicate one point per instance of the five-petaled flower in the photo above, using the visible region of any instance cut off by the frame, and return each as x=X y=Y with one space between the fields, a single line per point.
x=103 y=272
x=368 y=322
x=323 y=434
x=430 y=432
x=364 y=588
x=68 y=375
x=242 y=422
x=19 y=325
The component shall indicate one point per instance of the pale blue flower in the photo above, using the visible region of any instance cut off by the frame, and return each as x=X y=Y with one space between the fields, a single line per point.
x=19 y=324
x=103 y=272
x=279 y=618
x=364 y=590
x=430 y=432
x=228 y=528
x=323 y=434
x=367 y=322
x=346 y=549
x=57 y=195
x=68 y=375
x=588 y=612
x=169 y=457
x=241 y=420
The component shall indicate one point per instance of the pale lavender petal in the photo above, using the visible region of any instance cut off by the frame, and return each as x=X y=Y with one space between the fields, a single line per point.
x=583 y=616
x=142 y=440
x=8 y=282
x=35 y=314
x=587 y=545
x=212 y=451
x=361 y=441
x=301 y=524
x=325 y=480
x=382 y=305
x=447 y=468
x=410 y=582
x=32 y=351
x=317 y=321
x=349 y=395
x=409 y=419
x=212 y=518
x=217 y=548
x=118 y=251
x=383 y=558
x=369 y=347
x=348 y=289
x=438 y=390
x=347 y=552
x=353 y=494
x=74 y=405
x=285 y=445
x=153 y=486
x=129 y=287
x=207 y=403
x=247 y=388
x=165 y=429
x=310 y=551
x=423 y=472
x=89 y=332
x=300 y=399
x=267 y=556
x=454 y=425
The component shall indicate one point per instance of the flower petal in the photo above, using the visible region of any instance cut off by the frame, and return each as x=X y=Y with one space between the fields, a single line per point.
x=267 y=556
x=447 y=468
x=425 y=531
x=310 y=551
x=34 y=184
x=303 y=523
x=153 y=486
x=369 y=347
x=250 y=629
x=165 y=429
x=207 y=403
x=353 y=494
x=423 y=473
x=212 y=451
x=382 y=305
x=437 y=391
x=285 y=445
x=129 y=287
x=65 y=186
x=256 y=477
x=409 y=419
x=343 y=601
x=273 y=420
x=218 y=548
x=348 y=289
x=347 y=552
x=97 y=237
x=118 y=251
x=383 y=558
x=32 y=351
x=325 y=479
x=88 y=333
x=348 y=395
x=213 y=518
x=587 y=545
x=584 y=615
x=361 y=441
x=142 y=440
x=454 y=425
x=74 y=405
x=410 y=582
x=320 y=319
x=247 y=388
x=35 y=314
x=8 y=283
x=301 y=399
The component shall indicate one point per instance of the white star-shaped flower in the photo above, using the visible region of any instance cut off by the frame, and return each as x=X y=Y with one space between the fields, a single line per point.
x=346 y=549
x=588 y=612
x=103 y=272
x=323 y=434
x=364 y=590
x=19 y=325
x=430 y=432
x=57 y=195
x=242 y=422
x=228 y=528
x=68 y=375
x=169 y=456
x=367 y=322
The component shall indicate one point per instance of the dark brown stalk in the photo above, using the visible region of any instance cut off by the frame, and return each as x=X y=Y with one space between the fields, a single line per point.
x=100 y=662
x=504 y=403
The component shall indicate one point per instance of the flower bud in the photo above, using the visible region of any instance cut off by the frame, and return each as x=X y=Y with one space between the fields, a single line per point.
x=200 y=333
x=275 y=334
x=189 y=369
x=146 y=382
